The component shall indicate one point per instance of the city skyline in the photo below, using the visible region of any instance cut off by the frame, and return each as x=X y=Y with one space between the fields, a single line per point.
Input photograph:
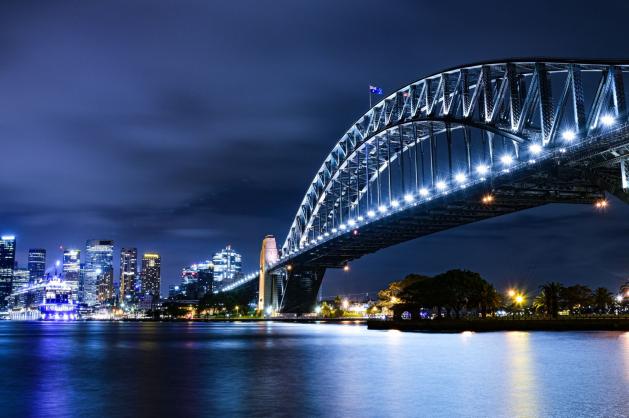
x=183 y=115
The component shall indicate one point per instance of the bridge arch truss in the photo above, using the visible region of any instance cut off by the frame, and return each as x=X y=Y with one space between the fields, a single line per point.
x=454 y=129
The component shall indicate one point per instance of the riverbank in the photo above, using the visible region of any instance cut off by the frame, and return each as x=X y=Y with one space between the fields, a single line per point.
x=487 y=325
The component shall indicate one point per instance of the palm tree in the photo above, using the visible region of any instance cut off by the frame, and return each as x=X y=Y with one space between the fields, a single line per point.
x=603 y=299
x=550 y=298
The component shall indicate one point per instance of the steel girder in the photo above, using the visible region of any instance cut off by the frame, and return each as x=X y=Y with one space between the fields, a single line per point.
x=512 y=100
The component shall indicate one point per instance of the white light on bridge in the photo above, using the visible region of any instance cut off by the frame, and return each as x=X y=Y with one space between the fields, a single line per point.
x=360 y=219
x=535 y=149
x=608 y=120
x=424 y=192
x=408 y=198
x=506 y=159
x=327 y=234
x=395 y=204
x=343 y=226
x=351 y=222
x=568 y=135
x=319 y=237
x=371 y=213
x=334 y=230
x=441 y=185
x=382 y=208
x=482 y=169
x=460 y=178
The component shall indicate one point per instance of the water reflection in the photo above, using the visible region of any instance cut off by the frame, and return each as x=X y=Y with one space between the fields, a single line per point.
x=523 y=397
x=261 y=369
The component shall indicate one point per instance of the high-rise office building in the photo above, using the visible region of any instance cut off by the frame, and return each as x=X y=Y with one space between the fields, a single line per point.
x=72 y=268
x=21 y=278
x=128 y=274
x=196 y=280
x=151 y=278
x=36 y=264
x=227 y=265
x=7 y=265
x=98 y=282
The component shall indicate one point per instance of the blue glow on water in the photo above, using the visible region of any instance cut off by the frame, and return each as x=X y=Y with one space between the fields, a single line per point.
x=280 y=369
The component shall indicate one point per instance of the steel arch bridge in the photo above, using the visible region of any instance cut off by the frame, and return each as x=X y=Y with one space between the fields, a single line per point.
x=459 y=146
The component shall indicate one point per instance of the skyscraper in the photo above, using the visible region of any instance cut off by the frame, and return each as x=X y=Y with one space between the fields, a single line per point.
x=227 y=265
x=98 y=285
x=72 y=268
x=7 y=264
x=36 y=264
x=128 y=274
x=21 y=278
x=151 y=275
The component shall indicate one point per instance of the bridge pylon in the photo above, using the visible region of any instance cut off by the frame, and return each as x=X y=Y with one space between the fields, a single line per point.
x=268 y=255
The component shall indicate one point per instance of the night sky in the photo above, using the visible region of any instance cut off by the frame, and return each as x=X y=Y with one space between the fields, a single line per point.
x=182 y=126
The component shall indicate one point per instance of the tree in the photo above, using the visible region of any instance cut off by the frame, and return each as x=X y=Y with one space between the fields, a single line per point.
x=575 y=298
x=490 y=299
x=393 y=293
x=549 y=303
x=602 y=299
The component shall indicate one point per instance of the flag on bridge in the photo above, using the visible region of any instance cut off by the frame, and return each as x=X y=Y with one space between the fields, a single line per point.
x=375 y=90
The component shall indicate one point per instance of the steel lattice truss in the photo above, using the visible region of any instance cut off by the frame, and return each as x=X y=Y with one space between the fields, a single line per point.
x=454 y=129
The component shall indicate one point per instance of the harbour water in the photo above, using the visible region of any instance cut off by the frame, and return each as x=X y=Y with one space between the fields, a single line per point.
x=283 y=369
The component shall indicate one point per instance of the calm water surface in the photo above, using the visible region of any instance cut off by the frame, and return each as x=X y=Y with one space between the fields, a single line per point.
x=276 y=369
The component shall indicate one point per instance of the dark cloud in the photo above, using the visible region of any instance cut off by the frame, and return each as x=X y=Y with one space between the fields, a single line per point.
x=180 y=127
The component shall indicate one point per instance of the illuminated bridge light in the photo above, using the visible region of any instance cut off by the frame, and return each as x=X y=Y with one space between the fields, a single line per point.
x=371 y=214
x=408 y=198
x=460 y=178
x=441 y=185
x=319 y=237
x=360 y=219
x=568 y=135
x=382 y=209
x=334 y=230
x=343 y=226
x=351 y=222
x=608 y=120
x=535 y=149
x=506 y=159
x=482 y=169
x=327 y=234
x=395 y=204
x=424 y=192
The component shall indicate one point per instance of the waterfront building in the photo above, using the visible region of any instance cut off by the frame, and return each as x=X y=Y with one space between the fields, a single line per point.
x=98 y=283
x=36 y=264
x=21 y=278
x=7 y=264
x=128 y=274
x=227 y=266
x=151 y=276
x=72 y=268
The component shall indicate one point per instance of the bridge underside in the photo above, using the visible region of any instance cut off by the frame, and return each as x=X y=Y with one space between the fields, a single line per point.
x=578 y=182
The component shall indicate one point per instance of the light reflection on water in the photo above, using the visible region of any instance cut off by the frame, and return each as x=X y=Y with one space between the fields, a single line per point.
x=281 y=369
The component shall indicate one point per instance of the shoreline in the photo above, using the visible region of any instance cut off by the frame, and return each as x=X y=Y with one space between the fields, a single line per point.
x=490 y=325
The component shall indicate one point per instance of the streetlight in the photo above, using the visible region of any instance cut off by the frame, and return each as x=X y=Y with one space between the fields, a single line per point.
x=346 y=268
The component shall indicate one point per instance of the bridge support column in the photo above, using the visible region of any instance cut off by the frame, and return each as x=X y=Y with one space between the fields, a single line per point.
x=268 y=255
x=301 y=288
